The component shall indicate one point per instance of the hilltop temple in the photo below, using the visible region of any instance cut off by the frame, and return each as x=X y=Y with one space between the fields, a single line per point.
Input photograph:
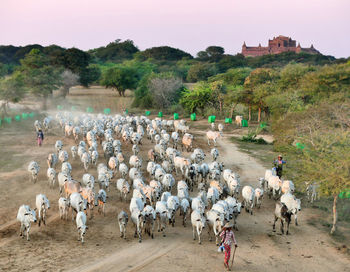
x=277 y=45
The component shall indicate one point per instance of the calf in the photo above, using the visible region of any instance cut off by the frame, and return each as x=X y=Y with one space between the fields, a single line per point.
x=25 y=216
x=42 y=205
x=282 y=213
x=259 y=194
x=63 y=207
x=123 y=221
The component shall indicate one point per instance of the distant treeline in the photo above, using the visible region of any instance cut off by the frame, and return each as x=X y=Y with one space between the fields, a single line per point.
x=209 y=62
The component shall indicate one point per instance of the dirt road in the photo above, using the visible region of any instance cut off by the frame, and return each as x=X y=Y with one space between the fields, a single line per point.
x=55 y=247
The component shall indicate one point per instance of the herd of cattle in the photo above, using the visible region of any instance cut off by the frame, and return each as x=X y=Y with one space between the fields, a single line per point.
x=155 y=197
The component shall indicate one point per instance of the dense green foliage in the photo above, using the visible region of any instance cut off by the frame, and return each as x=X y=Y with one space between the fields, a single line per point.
x=119 y=78
x=39 y=77
x=164 y=53
x=115 y=51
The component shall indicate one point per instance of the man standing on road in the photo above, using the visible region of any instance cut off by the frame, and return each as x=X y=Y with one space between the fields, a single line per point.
x=279 y=165
x=227 y=238
x=40 y=137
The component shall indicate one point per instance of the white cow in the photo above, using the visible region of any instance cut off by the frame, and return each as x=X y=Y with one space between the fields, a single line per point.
x=215 y=223
x=173 y=205
x=42 y=205
x=138 y=220
x=77 y=203
x=25 y=216
x=293 y=204
x=149 y=217
x=238 y=120
x=184 y=207
x=162 y=215
x=214 y=153
x=34 y=168
x=123 y=187
x=212 y=136
x=198 y=223
x=123 y=219
x=248 y=194
x=63 y=206
x=81 y=225
x=259 y=194
x=51 y=175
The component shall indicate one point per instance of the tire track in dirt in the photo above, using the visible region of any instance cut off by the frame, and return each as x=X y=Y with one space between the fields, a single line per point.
x=132 y=258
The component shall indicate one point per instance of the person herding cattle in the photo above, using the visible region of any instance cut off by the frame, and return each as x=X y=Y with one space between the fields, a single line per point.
x=279 y=165
x=227 y=238
x=40 y=137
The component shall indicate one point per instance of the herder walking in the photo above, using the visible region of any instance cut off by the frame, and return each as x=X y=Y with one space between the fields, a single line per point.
x=40 y=137
x=279 y=165
x=227 y=239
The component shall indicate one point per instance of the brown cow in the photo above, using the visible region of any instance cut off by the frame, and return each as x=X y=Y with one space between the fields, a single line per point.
x=187 y=141
x=89 y=195
x=71 y=186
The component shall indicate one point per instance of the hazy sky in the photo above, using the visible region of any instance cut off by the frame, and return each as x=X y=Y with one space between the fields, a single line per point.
x=191 y=25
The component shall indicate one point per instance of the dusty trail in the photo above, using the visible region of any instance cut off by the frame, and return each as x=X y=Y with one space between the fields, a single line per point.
x=55 y=246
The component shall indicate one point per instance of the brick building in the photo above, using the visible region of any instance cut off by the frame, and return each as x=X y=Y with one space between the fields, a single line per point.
x=277 y=45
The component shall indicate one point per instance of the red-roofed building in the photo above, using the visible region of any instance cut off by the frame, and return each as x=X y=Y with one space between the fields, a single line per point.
x=277 y=45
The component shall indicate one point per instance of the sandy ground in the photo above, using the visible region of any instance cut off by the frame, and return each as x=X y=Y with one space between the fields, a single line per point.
x=54 y=247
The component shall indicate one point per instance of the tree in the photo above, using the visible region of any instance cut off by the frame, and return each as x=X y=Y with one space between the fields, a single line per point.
x=215 y=53
x=11 y=90
x=75 y=60
x=165 y=53
x=228 y=61
x=119 y=78
x=165 y=89
x=90 y=74
x=218 y=94
x=200 y=71
x=198 y=98
x=39 y=77
x=116 y=51
x=202 y=55
x=232 y=77
x=324 y=130
x=256 y=78
x=69 y=80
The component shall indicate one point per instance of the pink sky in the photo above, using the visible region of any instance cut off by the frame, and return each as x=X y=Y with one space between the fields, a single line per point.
x=191 y=25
